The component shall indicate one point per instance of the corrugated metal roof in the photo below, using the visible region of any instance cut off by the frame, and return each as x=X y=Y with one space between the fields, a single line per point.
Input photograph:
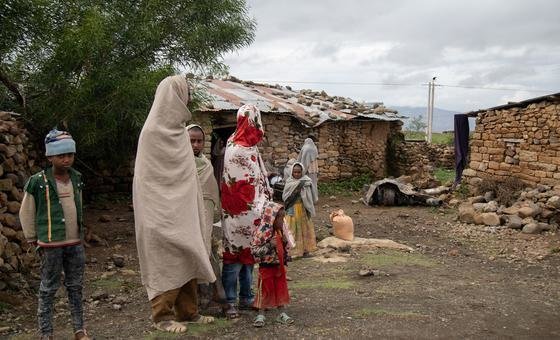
x=309 y=107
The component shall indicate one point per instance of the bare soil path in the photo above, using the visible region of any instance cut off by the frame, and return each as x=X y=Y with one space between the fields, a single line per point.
x=461 y=282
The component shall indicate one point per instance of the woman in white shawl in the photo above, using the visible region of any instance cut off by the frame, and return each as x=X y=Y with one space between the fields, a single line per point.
x=299 y=203
x=244 y=190
x=169 y=211
x=308 y=157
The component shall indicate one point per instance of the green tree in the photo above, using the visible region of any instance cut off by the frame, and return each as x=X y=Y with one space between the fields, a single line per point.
x=417 y=124
x=92 y=66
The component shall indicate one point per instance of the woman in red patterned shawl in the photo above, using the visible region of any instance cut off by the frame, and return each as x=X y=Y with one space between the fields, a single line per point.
x=244 y=191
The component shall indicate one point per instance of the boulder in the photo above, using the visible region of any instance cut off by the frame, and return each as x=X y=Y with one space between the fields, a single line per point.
x=528 y=211
x=532 y=228
x=514 y=221
x=491 y=206
x=490 y=219
x=466 y=213
x=553 y=202
x=513 y=210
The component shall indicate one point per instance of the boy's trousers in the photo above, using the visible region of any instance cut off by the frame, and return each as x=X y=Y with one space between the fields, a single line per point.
x=180 y=304
x=71 y=260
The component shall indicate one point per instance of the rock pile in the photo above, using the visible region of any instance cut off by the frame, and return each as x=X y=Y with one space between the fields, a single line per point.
x=536 y=210
x=16 y=160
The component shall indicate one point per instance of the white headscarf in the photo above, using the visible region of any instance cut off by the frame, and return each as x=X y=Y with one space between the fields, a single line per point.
x=304 y=184
x=168 y=206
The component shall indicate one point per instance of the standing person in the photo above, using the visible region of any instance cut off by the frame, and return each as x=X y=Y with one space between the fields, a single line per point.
x=308 y=157
x=218 y=152
x=212 y=208
x=169 y=212
x=299 y=201
x=51 y=217
x=244 y=191
x=269 y=246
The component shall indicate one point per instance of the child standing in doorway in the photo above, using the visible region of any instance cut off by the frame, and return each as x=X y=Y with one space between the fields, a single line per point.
x=270 y=243
x=299 y=202
x=51 y=217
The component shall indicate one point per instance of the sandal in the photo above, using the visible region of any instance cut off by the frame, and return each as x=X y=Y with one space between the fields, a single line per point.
x=171 y=326
x=259 y=321
x=284 y=319
x=231 y=312
x=202 y=319
x=246 y=305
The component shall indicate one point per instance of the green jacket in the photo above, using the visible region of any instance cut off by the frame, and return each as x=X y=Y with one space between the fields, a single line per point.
x=49 y=216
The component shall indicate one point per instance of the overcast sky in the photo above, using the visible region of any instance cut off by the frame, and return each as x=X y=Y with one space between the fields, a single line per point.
x=513 y=44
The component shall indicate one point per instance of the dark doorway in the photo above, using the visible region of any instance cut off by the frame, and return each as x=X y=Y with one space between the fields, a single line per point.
x=219 y=140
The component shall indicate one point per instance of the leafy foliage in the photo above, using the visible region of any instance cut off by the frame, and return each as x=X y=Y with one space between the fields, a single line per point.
x=92 y=66
x=417 y=124
x=345 y=186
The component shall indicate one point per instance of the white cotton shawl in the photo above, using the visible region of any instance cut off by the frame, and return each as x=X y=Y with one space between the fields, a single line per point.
x=168 y=207
x=308 y=157
x=304 y=183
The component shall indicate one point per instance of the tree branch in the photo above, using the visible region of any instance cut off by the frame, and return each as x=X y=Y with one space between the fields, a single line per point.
x=13 y=87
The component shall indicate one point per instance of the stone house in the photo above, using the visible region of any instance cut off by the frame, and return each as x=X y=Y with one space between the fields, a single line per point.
x=519 y=140
x=352 y=137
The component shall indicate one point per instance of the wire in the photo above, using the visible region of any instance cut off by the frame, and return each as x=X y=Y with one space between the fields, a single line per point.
x=473 y=87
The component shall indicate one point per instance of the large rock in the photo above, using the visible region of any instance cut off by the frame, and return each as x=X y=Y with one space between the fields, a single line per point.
x=466 y=213
x=529 y=211
x=513 y=210
x=553 y=202
x=491 y=206
x=490 y=219
x=535 y=228
x=336 y=243
x=479 y=206
x=514 y=221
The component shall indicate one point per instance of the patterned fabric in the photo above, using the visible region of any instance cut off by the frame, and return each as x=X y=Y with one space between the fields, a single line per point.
x=58 y=143
x=272 y=288
x=303 y=230
x=244 y=186
x=263 y=245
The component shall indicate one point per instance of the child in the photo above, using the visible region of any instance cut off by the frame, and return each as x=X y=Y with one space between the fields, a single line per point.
x=269 y=245
x=299 y=200
x=212 y=208
x=51 y=217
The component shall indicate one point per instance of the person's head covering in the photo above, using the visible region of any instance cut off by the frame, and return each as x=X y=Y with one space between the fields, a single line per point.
x=190 y=126
x=59 y=142
x=301 y=186
x=308 y=152
x=288 y=168
x=249 y=131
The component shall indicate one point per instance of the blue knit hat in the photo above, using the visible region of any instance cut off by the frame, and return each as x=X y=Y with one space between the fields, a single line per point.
x=58 y=143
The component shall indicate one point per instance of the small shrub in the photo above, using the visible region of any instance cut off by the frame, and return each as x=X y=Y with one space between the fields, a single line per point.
x=345 y=186
x=463 y=190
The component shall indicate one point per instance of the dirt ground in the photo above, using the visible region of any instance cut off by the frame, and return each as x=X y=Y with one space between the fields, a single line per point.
x=461 y=282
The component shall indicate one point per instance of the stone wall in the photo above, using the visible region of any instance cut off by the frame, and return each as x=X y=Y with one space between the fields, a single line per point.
x=16 y=160
x=345 y=148
x=418 y=154
x=522 y=142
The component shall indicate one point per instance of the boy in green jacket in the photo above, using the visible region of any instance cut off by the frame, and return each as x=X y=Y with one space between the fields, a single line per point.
x=51 y=217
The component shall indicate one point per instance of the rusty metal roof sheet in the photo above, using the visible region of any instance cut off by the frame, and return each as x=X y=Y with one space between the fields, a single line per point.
x=555 y=97
x=309 y=107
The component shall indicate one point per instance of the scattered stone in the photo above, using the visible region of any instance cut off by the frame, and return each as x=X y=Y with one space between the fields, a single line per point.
x=527 y=212
x=513 y=210
x=454 y=202
x=453 y=252
x=489 y=196
x=99 y=295
x=332 y=198
x=531 y=228
x=117 y=306
x=104 y=218
x=369 y=272
x=118 y=260
x=466 y=213
x=491 y=206
x=514 y=222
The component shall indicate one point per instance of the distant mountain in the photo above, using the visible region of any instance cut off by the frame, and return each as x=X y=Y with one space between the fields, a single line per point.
x=443 y=119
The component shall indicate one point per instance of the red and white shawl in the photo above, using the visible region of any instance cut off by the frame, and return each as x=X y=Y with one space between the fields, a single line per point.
x=244 y=187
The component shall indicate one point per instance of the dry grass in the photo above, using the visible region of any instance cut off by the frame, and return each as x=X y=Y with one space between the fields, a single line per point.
x=507 y=191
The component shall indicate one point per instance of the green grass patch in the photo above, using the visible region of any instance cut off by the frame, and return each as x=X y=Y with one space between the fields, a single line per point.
x=323 y=284
x=396 y=258
x=193 y=330
x=110 y=283
x=344 y=187
x=437 y=137
x=378 y=312
x=444 y=175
